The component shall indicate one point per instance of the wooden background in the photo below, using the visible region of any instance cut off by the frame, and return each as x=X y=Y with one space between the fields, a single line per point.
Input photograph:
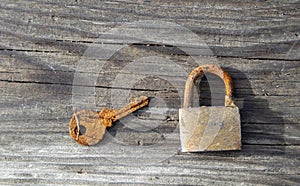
x=42 y=43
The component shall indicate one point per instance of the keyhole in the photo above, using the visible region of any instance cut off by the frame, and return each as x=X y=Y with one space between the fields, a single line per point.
x=81 y=131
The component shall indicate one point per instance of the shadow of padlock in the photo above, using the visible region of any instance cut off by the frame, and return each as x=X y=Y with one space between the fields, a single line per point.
x=204 y=128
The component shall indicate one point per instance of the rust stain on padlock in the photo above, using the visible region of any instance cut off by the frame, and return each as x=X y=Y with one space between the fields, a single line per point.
x=199 y=72
x=210 y=132
x=209 y=128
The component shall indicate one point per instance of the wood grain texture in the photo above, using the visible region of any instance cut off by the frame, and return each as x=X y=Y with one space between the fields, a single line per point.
x=44 y=42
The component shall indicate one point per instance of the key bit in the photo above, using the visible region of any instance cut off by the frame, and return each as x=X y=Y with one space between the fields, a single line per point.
x=88 y=127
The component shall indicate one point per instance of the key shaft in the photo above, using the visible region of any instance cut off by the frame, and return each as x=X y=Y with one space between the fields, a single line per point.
x=134 y=105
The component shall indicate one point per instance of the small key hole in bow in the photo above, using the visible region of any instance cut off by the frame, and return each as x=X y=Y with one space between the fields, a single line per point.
x=82 y=130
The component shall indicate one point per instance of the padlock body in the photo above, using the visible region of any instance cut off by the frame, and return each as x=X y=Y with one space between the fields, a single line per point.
x=209 y=129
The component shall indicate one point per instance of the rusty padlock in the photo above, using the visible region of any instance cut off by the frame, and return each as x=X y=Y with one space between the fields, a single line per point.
x=214 y=128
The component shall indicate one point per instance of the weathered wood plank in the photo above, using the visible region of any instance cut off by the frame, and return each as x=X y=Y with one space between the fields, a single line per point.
x=44 y=42
x=179 y=169
x=239 y=31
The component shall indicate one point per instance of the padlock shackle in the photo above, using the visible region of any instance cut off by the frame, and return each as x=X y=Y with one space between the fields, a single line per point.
x=199 y=72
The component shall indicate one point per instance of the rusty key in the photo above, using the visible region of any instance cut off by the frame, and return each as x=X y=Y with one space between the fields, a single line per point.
x=88 y=127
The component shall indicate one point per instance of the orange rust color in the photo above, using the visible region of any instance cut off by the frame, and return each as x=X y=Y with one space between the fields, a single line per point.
x=134 y=105
x=199 y=72
x=106 y=116
x=90 y=121
x=95 y=123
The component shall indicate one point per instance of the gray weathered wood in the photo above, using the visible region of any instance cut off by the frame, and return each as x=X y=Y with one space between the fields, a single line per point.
x=44 y=42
